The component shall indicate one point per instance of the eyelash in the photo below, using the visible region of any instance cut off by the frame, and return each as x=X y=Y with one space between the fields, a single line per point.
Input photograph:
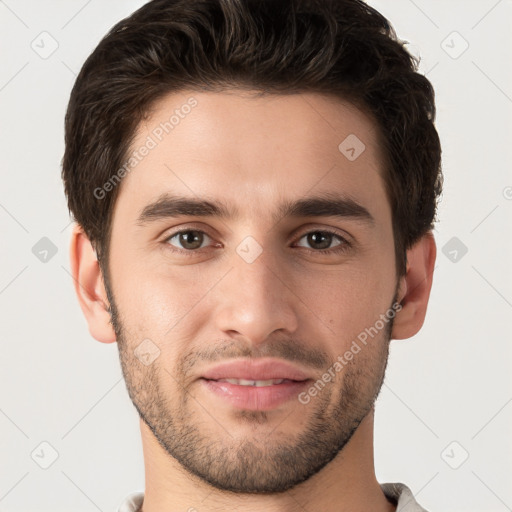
x=343 y=246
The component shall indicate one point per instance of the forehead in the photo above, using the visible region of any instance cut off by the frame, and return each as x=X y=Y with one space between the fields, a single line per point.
x=253 y=152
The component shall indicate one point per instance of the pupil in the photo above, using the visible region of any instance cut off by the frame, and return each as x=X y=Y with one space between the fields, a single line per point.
x=189 y=237
x=314 y=239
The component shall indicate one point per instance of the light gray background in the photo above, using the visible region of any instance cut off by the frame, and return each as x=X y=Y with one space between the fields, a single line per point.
x=447 y=392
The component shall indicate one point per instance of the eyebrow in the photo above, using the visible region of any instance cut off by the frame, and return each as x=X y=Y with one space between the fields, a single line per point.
x=324 y=205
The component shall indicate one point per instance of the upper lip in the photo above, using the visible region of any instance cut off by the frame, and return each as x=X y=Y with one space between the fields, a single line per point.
x=262 y=369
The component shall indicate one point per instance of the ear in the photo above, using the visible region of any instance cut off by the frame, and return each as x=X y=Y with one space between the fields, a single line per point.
x=89 y=286
x=414 y=288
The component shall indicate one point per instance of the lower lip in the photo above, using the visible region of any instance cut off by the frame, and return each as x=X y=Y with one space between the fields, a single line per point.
x=255 y=398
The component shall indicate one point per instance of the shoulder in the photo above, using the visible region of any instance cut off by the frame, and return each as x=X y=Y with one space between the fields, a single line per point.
x=132 y=502
x=403 y=497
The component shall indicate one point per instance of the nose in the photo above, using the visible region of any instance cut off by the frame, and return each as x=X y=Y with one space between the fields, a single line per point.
x=255 y=299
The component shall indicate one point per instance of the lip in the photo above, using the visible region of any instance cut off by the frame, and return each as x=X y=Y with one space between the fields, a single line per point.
x=261 y=369
x=253 y=398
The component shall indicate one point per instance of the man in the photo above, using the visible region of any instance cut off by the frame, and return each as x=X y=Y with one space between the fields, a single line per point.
x=254 y=185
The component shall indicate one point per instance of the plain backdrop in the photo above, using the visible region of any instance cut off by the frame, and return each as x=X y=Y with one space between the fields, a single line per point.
x=69 y=434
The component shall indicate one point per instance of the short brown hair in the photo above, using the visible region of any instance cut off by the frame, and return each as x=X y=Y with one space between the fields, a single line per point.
x=340 y=47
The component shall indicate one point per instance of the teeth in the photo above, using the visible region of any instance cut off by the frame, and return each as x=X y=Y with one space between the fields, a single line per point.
x=257 y=383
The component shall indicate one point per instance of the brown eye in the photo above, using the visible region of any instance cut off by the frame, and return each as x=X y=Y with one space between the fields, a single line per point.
x=188 y=240
x=319 y=240
x=322 y=240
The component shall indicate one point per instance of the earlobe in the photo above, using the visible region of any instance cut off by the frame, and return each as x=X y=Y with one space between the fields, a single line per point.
x=89 y=287
x=415 y=286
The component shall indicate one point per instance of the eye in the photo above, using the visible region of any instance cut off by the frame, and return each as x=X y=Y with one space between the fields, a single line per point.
x=321 y=241
x=189 y=239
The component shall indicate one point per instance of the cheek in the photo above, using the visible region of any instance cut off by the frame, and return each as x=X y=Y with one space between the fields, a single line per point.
x=149 y=292
x=349 y=301
x=165 y=305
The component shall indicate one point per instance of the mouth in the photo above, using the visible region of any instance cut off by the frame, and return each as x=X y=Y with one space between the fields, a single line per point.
x=255 y=383
x=249 y=371
x=255 y=395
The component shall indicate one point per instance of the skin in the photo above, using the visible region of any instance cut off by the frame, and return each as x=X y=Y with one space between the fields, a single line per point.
x=290 y=303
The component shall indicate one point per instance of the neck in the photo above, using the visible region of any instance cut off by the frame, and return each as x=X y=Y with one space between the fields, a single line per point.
x=348 y=482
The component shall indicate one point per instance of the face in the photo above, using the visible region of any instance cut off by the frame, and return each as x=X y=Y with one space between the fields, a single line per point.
x=256 y=275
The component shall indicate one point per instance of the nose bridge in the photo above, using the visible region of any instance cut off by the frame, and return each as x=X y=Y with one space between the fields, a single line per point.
x=258 y=277
x=254 y=299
